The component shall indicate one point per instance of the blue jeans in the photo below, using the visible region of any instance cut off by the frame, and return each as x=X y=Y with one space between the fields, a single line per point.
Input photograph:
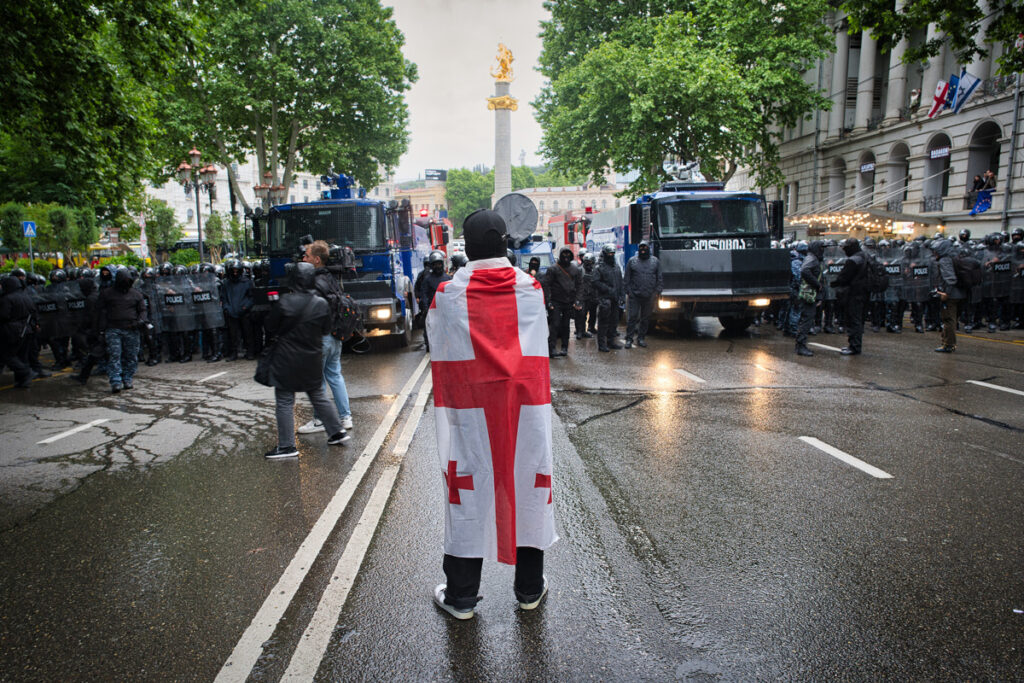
x=333 y=378
x=122 y=355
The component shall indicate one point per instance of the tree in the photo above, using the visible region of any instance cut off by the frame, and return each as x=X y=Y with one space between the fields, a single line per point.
x=465 y=192
x=639 y=83
x=213 y=235
x=236 y=232
x=81 y=82
x=11 y=232
x=311 y=86
x=162 y=228
x=961 y=22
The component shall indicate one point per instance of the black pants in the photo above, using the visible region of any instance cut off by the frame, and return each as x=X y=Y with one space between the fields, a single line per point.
x=558 y=325
x=462 y=576
x=586 y=318
x=639 y=318
x=854 y=314
x=803 y=326
x=607 y=312
x=15 y=355
x=240 y=333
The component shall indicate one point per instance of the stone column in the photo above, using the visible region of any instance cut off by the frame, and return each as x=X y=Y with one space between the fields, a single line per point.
x=503 y=105
x=840 y=65
x=865 y=82
x=982 y=66
x=896 y=94
x=932 y=74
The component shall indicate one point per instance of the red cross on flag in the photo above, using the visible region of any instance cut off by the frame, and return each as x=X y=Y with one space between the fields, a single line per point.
x=492 y=404
x=939 y=101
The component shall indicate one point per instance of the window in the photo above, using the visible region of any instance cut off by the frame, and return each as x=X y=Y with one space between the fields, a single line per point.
x=604 y=203
x=291 y=199
x=541 y=205
x=305 y=198
x=570 y=205
x=711 y=216
x=554 y=205
x=305 y=184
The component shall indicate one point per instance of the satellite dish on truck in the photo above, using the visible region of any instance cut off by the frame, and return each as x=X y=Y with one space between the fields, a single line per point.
x=520 y=216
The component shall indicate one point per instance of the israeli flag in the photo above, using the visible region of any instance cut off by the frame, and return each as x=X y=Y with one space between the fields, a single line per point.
x=964 y=89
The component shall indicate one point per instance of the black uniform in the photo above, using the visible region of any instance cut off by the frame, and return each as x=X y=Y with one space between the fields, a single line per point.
x=609 y=291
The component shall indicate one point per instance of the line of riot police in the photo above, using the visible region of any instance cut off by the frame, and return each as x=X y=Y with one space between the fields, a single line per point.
x=204 y=309
x=913 y=276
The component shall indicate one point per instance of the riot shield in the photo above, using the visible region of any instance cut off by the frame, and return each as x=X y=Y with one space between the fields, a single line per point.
x=206 y=301
x=78 y=318
x=52 y=309
x=1017 y=277
x=174 y=302
x=918 y=264
x=153 y=311
x=891 y=259
x=831 y=266
x=1002 y=274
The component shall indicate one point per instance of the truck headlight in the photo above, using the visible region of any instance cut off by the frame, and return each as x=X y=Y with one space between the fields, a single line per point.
x=667 y=303
x=380 y=312
x=760 y=303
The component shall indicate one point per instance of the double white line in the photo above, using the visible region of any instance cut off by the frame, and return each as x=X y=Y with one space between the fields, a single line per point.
x=314 y=641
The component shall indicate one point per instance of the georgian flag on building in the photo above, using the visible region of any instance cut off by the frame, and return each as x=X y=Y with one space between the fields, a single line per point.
x=939 y=101
x=492 y=406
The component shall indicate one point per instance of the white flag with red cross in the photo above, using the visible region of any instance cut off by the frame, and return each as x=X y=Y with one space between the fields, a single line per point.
x=492 y=405
x=939 y=101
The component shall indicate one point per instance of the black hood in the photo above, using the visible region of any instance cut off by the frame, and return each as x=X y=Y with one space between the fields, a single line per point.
x=851 y=247
x=941 y=247
x=87 y=285
x=484 y=231
x=817 y=247
x=303 y=276
x=123 y=280
x=11 y=285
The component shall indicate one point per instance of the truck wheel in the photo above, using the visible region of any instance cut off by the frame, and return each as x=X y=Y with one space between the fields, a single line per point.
x=406 y=337
x=735 y=324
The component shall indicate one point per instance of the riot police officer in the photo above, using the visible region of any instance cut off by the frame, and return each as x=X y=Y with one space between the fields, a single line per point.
x=586 y=317
x=642 y=283
x=561 y=284
x=609 y=291
x=431 y=281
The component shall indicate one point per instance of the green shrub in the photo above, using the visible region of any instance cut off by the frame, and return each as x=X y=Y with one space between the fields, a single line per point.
x=43 y=267
x=128 y=259
x=184 y=257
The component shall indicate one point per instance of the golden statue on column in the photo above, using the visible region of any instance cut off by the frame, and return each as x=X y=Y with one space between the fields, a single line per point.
x=505 y=60
x=501 y=99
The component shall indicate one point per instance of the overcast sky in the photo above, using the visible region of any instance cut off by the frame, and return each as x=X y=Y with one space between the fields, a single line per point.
x=454 y=43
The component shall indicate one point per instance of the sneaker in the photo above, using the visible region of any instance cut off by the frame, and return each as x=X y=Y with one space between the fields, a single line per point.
x=339 y=438
x=282 y=452
x=945 y=349
x=452 y=609
x=311 y=427
x=346 y=422
x=535 y=603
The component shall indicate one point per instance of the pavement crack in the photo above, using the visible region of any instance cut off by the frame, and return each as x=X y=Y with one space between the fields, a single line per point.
x=961 y=413
x=613 y=411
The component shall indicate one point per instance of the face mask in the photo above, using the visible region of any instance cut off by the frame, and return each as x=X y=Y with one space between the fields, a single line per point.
x=644 y=253
x=565 y=259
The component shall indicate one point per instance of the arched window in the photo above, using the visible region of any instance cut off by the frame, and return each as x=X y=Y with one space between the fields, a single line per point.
x=570 y=205
x=541 y=205
x=936 y=173
x=604 y=203
x=554 y=205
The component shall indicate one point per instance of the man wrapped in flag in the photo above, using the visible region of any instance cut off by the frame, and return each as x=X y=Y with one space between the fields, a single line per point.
x=492 y=406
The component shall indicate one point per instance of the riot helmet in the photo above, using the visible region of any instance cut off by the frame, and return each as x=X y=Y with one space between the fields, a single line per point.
x=180 y=270
x=458 y=261
x=193 y=269
x=86 y=274
x=233 y=268
x=870 y=243
x=219 y=271
x=850 y=246
x=73 y=273
x=965 y=235
x=884 y=244
x=436 y=259
x=1017 y=236
x=582 y=254
x=801 y=248
x=205 y=267
x=166 y=268
x=588 y=262
x=20 y=274
x=58 y=276
x=608 y=253
x=148 y=274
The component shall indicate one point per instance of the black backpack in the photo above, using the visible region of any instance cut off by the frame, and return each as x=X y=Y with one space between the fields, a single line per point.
x=877 y=278
x=968 y=271
x=347 y=320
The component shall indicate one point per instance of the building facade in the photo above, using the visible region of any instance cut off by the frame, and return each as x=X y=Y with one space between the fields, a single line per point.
x=573 y=199
x=876 y=164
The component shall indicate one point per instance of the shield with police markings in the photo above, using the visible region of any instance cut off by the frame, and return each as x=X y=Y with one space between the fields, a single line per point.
x=174 y=301
x=206 y=301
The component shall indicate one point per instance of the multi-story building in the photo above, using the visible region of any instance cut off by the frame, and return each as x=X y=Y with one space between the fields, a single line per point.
x=556 y=201
x=432 y=198
x=876 y=164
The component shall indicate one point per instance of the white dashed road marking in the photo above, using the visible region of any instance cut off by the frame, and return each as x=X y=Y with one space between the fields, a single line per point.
x=79 y=428
x=846 y=457
x=996 y=386
x=213 y=376
x=689 y=375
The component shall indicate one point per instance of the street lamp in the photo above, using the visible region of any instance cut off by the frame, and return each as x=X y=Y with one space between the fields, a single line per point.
x=194 y=178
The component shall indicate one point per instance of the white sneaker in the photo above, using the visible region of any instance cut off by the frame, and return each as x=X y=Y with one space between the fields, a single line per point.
x=311 y=427
x=450 y=609
x=346 y=423
x=535 y=603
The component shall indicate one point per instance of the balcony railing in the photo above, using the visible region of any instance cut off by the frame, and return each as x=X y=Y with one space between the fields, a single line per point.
x=933 y=203
x=894 y=206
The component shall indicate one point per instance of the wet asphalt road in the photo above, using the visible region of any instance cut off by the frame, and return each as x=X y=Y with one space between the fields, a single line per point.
x=702 y=539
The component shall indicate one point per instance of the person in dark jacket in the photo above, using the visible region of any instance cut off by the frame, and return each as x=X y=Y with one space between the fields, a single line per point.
x=810 y=277
x=328 y=287
x=561 y=283
x=236 y=296
x=298 y=324
x=122 y=312
x=643 y=284
x=16 y=318
x=586 y=318
x=608 y=287
x=88 y=335
x=949 y=294
x=431 y=281
x=852 y=284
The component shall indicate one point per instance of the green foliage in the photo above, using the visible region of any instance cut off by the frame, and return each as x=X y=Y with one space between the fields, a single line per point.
x=11 y=232
x=162 y=228
x=636 y=84
x=236 y=232
x=214 y=234
x=465 y=192
x=42 y=266
x=81 y=82
x=959 y=22
x=184 y=257
x=311 y=86
x=126 y=259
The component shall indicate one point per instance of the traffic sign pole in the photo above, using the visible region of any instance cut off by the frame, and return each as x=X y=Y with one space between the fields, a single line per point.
x=31 y=258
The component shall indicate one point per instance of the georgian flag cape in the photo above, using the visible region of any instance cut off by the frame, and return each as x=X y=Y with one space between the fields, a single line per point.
x=492 y=406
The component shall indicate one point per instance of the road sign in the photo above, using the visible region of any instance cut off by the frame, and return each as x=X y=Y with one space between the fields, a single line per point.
x=29 y=227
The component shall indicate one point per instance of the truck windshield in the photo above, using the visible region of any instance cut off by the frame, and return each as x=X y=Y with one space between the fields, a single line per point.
x=354 y=225
x=711 y=216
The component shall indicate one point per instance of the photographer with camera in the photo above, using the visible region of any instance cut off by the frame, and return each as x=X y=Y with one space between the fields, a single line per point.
x=948 y=293
x=328 y=287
